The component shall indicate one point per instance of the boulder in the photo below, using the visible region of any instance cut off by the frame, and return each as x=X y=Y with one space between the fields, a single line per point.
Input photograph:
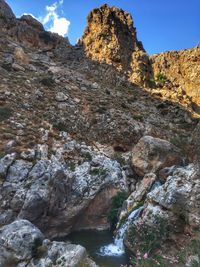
x=22 y=244
x=152 y=154
x=180 y=194
x=20 y=239
x=170 y=209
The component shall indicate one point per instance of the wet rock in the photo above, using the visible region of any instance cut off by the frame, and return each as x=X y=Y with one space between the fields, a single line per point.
x=151 y=154
x=139 y=194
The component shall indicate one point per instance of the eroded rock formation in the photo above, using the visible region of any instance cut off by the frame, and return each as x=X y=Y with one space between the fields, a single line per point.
x=182 y=70
x=111 y=37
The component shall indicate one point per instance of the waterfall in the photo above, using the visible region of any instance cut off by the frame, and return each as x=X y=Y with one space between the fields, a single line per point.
x=117 y=247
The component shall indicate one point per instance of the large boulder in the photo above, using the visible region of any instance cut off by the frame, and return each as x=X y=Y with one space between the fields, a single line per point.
x=19 y=240
x=23 y=245
x=152 y=154
x=180 y=194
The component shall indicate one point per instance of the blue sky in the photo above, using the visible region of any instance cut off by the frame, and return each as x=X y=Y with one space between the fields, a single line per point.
x=161 y=24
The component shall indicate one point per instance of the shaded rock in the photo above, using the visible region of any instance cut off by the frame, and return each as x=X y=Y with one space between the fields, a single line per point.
x=18 y=172
x=50 y=192
x=139 y=194
x=151 y=154
x=31 y=21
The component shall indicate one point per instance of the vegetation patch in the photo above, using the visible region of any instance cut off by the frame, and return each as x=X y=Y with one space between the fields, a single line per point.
x=5 y=113
x=147 y=240
x=97 y=171
x=47 y=81
x=117 y=202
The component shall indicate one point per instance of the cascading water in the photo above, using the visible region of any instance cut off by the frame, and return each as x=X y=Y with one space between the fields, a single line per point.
x=117 y=247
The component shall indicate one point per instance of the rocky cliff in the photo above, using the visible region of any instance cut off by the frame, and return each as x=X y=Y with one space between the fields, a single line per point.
x=181 y=69
x=111 y=37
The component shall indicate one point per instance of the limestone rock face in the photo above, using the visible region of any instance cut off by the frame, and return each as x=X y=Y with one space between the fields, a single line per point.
x=180 y=195
x=59 y=193
x=151 y=154
x=175 y=203
x=111 y=38
x=181 y=68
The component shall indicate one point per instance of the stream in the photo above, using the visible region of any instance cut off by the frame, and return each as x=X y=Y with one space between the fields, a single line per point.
x=106 y=250
x=93 y=241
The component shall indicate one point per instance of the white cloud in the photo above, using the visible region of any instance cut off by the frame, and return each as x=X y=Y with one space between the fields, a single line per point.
x=53 y=22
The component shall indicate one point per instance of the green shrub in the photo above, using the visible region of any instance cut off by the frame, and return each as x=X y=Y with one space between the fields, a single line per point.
x=47 y=81
x=60 y=126
x=5 y=113
x=36 y=247
x=117 y=202
x=118 y=157
x=87 y=156
x=72 y=166
x=97 y=171
x=161 y=79
x=147 y=240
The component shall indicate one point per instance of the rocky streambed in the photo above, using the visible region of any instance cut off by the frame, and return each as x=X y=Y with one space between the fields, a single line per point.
x=49 y=192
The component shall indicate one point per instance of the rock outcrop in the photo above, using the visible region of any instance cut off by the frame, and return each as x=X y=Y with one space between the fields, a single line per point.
x=28 y=30
x=152 y=154
x=181 y=69
x=22 y=244
x=111 y=38
x=7 y=17
x=57 y=192
x=170 y=210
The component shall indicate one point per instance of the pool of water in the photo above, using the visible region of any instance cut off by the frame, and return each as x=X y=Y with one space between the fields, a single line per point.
x=93 y=241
